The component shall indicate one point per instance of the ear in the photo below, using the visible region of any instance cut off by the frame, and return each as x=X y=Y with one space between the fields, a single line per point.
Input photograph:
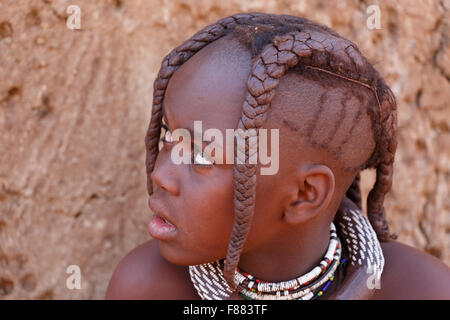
x=315 y=187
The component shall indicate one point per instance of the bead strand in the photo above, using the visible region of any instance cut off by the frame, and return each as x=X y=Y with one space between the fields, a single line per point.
x=299 y=293
x=242 y=279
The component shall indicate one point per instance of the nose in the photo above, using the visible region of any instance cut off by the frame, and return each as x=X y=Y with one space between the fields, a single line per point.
x=164 y=174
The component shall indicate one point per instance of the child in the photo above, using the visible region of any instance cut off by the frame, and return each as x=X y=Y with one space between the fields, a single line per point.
x=296 y=234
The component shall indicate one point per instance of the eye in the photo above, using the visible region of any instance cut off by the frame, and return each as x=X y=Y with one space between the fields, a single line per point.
x=166 y=134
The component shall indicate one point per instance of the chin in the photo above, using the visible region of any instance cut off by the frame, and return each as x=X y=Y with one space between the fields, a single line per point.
x=181 y=256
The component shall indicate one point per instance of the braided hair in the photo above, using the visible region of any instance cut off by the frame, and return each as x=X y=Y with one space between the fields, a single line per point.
x=279 y=43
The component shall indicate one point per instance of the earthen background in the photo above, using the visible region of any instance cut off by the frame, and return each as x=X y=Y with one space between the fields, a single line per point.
x=74 y=107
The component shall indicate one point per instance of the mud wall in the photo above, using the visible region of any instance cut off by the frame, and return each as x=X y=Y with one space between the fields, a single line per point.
x=74 y=106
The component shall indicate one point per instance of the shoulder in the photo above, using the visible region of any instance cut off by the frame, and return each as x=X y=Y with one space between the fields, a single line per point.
x=145 y=274
x=412 y=274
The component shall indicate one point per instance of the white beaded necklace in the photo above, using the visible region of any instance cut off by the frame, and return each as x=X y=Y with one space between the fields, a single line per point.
x=209 y=282
x=360 y=241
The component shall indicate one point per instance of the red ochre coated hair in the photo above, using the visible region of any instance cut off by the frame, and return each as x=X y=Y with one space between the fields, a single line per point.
x=279 y=43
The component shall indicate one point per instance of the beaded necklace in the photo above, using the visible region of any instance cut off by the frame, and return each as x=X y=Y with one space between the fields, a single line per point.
x=322 y=290
x=358 y=237
x=342 y=264
x=303 y=287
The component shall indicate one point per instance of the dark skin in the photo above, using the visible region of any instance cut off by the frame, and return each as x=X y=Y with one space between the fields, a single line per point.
x=304 y=194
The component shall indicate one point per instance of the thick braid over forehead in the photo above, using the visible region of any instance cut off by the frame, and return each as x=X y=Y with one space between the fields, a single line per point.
x=299 y=42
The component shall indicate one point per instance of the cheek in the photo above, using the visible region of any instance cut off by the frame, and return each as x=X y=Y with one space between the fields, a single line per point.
x=266 y=221
x=211 y=213
x=207 y=217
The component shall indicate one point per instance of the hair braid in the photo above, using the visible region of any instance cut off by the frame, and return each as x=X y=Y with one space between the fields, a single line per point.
x=384 y=170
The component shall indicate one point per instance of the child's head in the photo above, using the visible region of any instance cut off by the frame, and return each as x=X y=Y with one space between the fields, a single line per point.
x=335 y=116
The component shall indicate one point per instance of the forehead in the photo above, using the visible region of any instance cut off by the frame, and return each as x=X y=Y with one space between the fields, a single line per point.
x=211 y=87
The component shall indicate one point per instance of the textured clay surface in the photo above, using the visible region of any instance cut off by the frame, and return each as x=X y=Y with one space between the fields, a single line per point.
x=74 y=106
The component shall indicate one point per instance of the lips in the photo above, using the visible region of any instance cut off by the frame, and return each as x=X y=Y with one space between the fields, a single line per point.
x=160 y=227
x=165 y=221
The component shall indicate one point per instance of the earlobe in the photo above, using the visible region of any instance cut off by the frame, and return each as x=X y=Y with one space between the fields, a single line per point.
x=315 y=188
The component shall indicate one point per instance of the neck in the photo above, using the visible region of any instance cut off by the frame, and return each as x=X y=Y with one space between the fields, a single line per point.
x=277 y=261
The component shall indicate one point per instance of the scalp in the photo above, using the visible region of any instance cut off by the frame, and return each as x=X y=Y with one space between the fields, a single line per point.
x=326 y=114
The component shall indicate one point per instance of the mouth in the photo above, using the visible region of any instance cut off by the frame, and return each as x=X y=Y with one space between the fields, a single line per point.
x=159 y=226
x=165 y=221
